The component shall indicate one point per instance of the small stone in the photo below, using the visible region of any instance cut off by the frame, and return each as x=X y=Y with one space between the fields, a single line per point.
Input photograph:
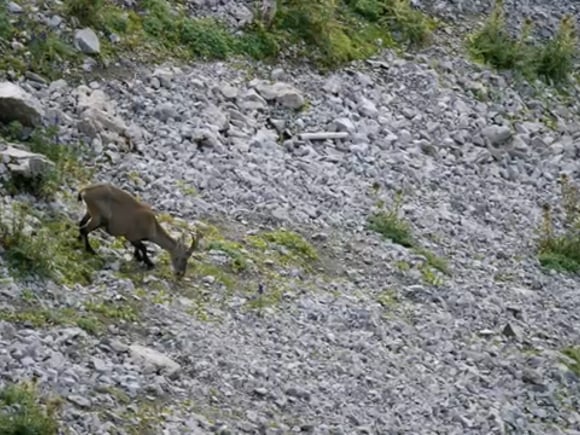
x=367 y=108
x=511 y=330
x=298 y=392
x=165 y=111
x=14 y=8
x=344 y=124
x=261 y=391
x=80 y=401
x=208 y=279
x=151 y=356
x=497 y=134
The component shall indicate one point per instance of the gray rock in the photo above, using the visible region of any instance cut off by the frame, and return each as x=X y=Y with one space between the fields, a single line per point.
x=344 y=124
x=81 y=401
x=25 y=163
x=14 y=8
x=285 y=94
x=150 y=356
x=16 y=104
x=497 y=134
x=367 y=108
x=86 y=40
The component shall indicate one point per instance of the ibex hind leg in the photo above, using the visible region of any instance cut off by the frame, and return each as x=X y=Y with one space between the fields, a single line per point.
x=82 y=223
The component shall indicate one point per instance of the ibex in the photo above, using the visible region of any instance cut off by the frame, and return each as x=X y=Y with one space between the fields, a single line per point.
x=120 y=214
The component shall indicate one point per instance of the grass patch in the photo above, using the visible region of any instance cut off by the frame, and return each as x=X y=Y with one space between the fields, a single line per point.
x=328 y=32
x=38 y=245
x=45 y=249
x=271 y=297
x=574 y=354
x=388 y=298
x=297 y=246
x=235 y=251
x=22 y=411
x=108 y=311
x=32 y=313
x=551 y=61
x=333 y=32
x=391 y=226
x=561 y=252
x=39 y=317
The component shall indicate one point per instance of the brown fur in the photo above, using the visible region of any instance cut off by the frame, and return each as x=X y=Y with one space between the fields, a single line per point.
x=120 y=214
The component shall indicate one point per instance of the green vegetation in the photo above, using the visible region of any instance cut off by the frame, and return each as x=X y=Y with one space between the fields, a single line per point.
x=391 y=226
x=88 y=12
x=574 y=354
x=42 y=50
x=551 y=61
x=332 y=32
x=44 y=245
x=46 y=249
x=234 y=251
x=296 y=246
x=6 y=28
x=388 y=298
x=108 y=311
x=67 y=168
x=23 y=413
x=562 y=252
x=39 y=317
x=93 y=317
x=328 y=32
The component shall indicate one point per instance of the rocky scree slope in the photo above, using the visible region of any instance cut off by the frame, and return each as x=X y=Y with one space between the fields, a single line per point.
x=367 y=342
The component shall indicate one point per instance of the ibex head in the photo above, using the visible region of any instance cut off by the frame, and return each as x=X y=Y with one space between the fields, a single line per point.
x=180 y=255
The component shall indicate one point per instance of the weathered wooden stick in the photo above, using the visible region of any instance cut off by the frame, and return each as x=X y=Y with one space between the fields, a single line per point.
x=323 y=135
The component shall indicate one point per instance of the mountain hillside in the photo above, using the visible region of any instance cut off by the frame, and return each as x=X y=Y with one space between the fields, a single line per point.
x=387 y=195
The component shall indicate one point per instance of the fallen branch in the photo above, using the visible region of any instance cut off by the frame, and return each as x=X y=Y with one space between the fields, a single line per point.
x=323 y=135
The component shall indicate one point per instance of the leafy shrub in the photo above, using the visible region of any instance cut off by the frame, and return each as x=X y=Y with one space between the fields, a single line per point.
x=555 y=59
x=206 y=38
x=391 y=226
x=562 y=252
x=21 y=412
x=5 y=25
x=338 y=31
x=552 y=61
x=86 y=11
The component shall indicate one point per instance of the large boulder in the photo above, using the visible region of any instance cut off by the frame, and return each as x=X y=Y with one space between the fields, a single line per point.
x=87 y=41
x=18 y=105
x=154 y=359
x=283 y=93
x=25 y=163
